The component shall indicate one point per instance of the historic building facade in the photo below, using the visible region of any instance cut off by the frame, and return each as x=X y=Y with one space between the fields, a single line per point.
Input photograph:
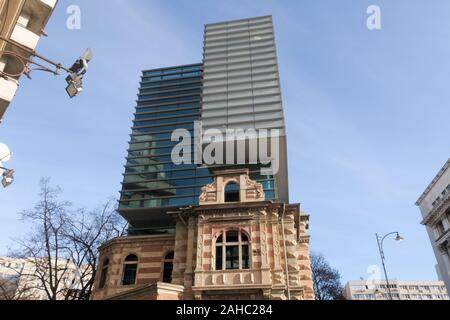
x=233 y=245
x=202 y=230
x=434 y=204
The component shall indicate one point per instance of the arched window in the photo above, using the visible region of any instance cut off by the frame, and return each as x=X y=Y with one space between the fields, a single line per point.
x=232 y=251
x=104 y=274
x=168 y=267
x=130 y=270
x=232 y=192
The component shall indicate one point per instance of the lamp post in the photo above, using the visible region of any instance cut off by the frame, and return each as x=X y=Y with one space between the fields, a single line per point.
x=380 y=241
x=75 y=73
x=8 y=177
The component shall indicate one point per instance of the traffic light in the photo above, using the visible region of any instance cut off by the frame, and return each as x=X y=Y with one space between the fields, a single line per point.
x=77 y=71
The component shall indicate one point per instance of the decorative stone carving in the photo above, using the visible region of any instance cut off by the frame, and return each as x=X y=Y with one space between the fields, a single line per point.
x=254 y=190
x=209 y=193
x=250 y=190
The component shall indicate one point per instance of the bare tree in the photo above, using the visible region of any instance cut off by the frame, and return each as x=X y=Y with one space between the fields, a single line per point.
x=326 y=280
x=43 y=247
x=84 y=234
x=61 y=249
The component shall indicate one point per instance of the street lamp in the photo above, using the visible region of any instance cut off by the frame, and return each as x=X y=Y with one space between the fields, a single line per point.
x=380 y=241
x=75 y=73
x=7 y=177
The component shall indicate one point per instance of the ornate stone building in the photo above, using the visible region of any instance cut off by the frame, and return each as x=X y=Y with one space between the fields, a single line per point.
x=233 y=245
x=434 y=204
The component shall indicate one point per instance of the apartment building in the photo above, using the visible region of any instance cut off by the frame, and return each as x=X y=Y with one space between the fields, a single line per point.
x=400 y=290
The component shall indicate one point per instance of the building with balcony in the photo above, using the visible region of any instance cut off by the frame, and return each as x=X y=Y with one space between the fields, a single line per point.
x=22 y=22
x=201 y=230
x=400 y=290
x=434 y=205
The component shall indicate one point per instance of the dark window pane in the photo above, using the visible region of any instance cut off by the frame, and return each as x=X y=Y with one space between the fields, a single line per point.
x=232 y=236
x=131 y=257
x=220 y=239
x=232 y=257
x=129 y=274
x=219 y=258
x=232 y=192
x=169 y=256
x=245 y=257
x=244 y=237
x=103 y=275
x=168 y=268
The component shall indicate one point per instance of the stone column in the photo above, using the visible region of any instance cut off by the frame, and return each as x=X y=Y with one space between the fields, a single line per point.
x=179 y=261
x=189 y=253
x=278 y=273
x=263 y=239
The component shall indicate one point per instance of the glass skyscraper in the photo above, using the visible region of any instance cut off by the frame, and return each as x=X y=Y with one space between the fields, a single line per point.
x=169 y=99
x=236 y=86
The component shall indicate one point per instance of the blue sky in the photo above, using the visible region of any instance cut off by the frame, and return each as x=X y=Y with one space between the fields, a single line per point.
x=367 y=113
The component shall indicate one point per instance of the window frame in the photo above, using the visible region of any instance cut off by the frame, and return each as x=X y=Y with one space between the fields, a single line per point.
x=127 y=263
x=164 y=261
x=232 y=193
x=103 y=282
x=225 y=244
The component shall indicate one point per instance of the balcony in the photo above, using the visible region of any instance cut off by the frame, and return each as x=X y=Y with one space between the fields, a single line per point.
x=230 y=279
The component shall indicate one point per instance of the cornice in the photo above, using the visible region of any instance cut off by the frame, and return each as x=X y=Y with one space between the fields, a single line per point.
x=433 y=183
x=438 y=210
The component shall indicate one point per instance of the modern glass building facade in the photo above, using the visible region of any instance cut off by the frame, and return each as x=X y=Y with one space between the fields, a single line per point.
x=241 y=84
x=169 y=99
x=236 y=86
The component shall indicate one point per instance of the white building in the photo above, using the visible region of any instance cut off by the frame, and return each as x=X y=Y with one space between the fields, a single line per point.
x=22 y=23
x=400 y=290
x=24 y=276
x=434 y=205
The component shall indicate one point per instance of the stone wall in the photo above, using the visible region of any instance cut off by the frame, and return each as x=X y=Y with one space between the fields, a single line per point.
x=150 y=250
